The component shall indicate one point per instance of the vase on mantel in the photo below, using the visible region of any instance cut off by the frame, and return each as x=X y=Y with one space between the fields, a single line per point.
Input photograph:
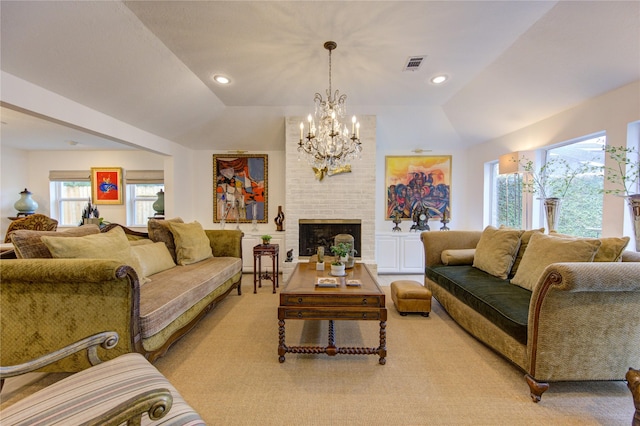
x=633 y=201
x=552 y=211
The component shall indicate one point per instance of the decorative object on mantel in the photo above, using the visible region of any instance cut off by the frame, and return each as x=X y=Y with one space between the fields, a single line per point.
x=625 y=175
x=158 y=205
x=421 y=219
x=328 y=145
x=279 y=219
x=266 y=239
x=417 y=181
x=397 y=221
x=25 y=205
x=444 y=221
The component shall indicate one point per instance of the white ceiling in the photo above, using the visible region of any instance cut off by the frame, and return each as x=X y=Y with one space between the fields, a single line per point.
x=149 y=64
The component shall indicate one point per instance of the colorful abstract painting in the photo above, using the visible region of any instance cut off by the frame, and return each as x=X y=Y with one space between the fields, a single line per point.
x=414 y=181
x=240 y=188
x=106 y=185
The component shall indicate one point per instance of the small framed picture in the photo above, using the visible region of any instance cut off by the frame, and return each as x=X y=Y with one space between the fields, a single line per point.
x=106 y=185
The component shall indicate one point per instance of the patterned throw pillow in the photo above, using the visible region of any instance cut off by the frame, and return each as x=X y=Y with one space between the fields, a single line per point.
x=28 y=244
x=159 y=231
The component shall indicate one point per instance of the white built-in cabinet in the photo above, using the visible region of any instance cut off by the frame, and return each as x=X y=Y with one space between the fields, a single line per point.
x=250 y=240
x=399 y=253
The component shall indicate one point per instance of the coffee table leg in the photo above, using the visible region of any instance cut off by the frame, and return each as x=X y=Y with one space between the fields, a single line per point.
x=382 y=351
x=282 y=349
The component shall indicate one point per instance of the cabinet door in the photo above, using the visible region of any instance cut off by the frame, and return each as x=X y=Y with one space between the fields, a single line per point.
x=387 y=250
x=411 y=254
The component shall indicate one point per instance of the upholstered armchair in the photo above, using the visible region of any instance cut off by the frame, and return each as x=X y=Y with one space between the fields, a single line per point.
x=34 y=222
x=126 y=389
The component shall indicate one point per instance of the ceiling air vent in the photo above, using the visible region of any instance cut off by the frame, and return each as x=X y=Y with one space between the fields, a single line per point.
x=414 y=62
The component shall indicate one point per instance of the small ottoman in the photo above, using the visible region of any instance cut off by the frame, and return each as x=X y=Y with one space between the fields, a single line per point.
x=411 y=296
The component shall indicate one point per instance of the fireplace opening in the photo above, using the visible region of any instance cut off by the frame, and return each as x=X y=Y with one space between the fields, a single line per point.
x=314 y=233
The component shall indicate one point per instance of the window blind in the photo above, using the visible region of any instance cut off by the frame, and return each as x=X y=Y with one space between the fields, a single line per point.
x=70 y=175
x=144 y=176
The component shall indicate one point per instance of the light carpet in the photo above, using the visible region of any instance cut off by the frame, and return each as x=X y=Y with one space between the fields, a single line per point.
x=227 y=368
x=436 y=374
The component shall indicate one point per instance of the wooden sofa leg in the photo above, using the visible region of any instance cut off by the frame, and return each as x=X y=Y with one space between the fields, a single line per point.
x=633 y=383
x=537 y=388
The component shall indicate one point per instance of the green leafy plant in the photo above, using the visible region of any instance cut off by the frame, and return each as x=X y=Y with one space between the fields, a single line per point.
x=553 y=179
x=340 y=250
x=625 y=173
x=266 y=239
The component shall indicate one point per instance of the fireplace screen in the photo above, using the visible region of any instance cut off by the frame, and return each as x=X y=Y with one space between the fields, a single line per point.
x=316 y=233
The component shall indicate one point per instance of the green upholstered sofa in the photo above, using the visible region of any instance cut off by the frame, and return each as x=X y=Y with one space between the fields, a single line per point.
x=581 y=321
x=49 y=303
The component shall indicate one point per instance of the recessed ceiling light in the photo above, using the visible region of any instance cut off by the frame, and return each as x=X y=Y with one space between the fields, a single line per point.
x=439 y=79
x=221 y=79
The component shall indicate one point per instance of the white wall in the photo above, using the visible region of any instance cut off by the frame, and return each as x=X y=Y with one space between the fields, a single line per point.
x=611 y=112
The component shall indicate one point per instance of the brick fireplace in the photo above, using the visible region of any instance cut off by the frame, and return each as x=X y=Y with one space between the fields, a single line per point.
x=342 y=196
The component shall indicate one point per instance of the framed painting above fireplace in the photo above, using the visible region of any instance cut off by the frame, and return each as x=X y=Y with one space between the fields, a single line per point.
x=240 y=187
x=413 y=182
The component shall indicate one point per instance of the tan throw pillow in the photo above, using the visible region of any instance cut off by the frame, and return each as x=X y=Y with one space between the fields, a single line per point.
x=153 y=258
x=28 y=244
x=109 y=245
x=543 y=250
x=192 y=243
x=159 y=231
x=611 y=249
x=497 y=250
x=524 y=242
x=458 y=257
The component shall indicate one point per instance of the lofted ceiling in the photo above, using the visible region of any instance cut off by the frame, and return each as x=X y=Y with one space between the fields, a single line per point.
x=150 y=63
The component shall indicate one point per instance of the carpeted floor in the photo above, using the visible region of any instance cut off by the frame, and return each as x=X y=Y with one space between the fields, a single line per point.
x=436 y=374
x=227 y=368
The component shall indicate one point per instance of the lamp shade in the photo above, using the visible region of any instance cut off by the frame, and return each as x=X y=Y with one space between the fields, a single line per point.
x=509 y=163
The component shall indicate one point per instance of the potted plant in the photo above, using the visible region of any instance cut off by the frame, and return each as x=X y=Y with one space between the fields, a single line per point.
x=341 y=250
x=551 y=183
x=624 y=175
x=266 y=239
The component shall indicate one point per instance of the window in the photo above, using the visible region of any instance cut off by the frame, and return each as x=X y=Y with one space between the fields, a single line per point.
x=581 y=207
x=142 y=191
x=70 y=192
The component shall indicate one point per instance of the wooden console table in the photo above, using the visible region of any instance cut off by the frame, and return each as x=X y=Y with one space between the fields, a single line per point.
x=273 y=251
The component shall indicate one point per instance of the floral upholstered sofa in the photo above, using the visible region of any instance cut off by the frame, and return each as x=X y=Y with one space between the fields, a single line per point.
x=561 y=309
x=151 y=290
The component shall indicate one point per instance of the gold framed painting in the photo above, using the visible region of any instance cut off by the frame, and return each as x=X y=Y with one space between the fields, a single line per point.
x=240 y=184
x=413 y=182
x=106 y=185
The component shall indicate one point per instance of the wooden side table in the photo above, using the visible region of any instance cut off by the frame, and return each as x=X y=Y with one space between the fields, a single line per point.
x=272 y=250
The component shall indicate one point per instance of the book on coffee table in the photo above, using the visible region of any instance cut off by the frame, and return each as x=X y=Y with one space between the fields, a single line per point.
x=327 y=282
x=353 y=283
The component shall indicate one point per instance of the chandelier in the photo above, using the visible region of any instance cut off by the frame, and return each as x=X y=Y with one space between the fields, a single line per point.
x=328 y=144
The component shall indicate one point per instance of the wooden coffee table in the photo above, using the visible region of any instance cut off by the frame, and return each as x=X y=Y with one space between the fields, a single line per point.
x=302 y=299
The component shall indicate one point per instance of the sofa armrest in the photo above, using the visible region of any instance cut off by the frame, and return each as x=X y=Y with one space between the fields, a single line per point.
x=49 y=303
x=437 y=242
x=107 y=340
x=225 y=243
x=583 y=321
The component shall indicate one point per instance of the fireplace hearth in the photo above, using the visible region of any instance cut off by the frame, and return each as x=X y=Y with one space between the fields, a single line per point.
x=316 y=233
